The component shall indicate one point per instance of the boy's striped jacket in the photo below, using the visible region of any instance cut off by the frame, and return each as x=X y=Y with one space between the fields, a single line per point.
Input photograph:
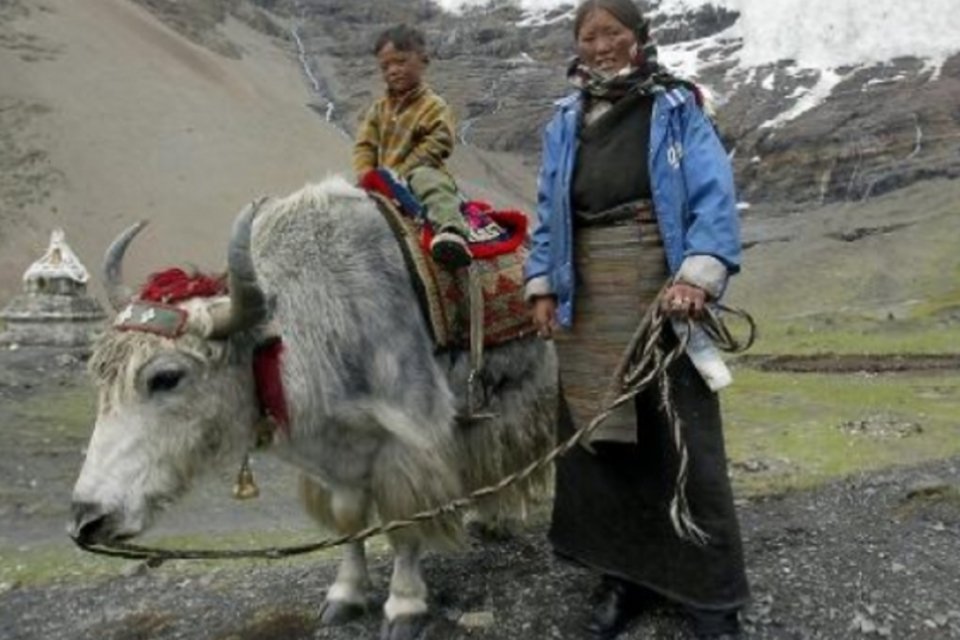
x=402 y=134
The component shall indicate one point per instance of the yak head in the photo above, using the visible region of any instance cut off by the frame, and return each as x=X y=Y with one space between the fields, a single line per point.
x=175 y=388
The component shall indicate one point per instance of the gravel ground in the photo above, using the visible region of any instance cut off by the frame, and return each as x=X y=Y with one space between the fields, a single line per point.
x=871 y=556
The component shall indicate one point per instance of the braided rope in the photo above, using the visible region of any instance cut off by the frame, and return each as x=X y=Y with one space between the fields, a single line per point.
x=637 y=370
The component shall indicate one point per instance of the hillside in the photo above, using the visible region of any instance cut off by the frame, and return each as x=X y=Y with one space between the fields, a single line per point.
x=110 y=113
x=876 y=276
x=110 y=116
x=817 y=102
x=118 y=110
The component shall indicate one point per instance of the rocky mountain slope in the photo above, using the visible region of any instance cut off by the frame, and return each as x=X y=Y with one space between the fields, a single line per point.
x=181 y=111
x=834 y=121
x=803 y=131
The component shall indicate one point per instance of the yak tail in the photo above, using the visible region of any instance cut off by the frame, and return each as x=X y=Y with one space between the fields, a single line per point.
x=521 y=433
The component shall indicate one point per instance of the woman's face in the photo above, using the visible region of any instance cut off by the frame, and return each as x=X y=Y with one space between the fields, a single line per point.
x=605 y=43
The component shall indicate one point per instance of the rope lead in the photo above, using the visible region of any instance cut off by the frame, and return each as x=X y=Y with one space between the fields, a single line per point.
x=642 y=363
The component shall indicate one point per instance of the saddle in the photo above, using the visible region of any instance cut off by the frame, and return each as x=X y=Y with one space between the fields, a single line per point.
x=499 y=250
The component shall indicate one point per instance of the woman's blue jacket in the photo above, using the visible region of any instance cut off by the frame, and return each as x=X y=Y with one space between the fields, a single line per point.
x=692 y=189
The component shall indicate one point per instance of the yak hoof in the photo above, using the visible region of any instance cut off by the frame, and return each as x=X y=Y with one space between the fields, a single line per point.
x=334 y=613
x=404 y=627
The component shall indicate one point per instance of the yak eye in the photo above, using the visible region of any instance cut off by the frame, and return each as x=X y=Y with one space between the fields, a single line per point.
x=164 y=381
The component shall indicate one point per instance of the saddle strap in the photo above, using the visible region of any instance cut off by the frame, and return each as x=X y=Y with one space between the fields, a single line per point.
x=475 y=286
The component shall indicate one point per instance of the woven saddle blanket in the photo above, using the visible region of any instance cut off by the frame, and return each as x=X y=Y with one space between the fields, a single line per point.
x=444 y=294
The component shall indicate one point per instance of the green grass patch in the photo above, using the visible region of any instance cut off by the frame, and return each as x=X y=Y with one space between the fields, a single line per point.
x=34 y=566
x=860 y=335
x=63 y=562
x=67 y=413
x=794 y=422
x=939 y=306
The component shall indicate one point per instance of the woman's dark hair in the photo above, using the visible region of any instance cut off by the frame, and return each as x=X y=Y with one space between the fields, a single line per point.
x=403 y=38
x=625 y=11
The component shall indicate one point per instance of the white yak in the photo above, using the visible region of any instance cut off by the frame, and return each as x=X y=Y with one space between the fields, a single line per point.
x=372 y=405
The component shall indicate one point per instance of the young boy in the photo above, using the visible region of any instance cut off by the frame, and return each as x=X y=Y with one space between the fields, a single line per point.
x=410 y=131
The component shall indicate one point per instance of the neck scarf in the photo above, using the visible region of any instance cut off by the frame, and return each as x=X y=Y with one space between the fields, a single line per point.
x=644 y=76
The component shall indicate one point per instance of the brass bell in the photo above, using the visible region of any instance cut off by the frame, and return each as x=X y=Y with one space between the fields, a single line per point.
x=245 y=488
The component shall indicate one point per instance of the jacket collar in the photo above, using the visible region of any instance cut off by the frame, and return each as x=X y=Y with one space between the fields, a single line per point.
x=404 y=100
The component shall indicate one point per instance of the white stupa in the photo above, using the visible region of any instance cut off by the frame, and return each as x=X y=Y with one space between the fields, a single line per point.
x=54 y=308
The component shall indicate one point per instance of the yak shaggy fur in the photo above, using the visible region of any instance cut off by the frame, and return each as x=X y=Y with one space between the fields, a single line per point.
x=372 y=405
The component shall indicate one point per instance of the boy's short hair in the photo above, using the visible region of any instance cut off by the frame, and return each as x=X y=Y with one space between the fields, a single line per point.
x=403 y=38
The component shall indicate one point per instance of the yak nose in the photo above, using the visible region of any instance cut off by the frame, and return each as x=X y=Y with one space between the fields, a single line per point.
x=88 y=524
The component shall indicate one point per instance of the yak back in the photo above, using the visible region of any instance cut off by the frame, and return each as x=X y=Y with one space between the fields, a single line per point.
x=346 y=309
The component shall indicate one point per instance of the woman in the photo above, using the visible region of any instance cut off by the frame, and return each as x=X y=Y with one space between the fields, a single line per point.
x=635 y=190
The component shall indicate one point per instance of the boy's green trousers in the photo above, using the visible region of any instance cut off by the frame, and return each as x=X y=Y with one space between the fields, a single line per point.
x=438 y=193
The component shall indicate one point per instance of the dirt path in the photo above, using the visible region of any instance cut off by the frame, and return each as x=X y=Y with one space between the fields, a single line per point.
x=854 y=363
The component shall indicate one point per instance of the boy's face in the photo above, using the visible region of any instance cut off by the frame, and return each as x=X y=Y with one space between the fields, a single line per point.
x=402 y=70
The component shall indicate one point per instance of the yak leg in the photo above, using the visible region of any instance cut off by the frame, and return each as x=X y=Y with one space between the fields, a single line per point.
x=406 y=608
x=347 y=598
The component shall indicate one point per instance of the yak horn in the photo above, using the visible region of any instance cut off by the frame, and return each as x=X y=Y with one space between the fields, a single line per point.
x=248 y=305
x=118 y=294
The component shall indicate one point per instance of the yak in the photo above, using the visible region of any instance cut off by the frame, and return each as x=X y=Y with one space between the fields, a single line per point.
x=371 y=405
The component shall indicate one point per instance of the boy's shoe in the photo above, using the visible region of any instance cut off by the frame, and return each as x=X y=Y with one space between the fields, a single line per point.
x=450 y=249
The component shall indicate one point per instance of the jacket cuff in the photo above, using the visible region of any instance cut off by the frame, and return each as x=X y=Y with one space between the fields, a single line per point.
x=536 y=287
x=704 y=271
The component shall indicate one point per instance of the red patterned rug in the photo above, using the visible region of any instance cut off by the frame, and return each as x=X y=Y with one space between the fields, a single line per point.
x=444 y=294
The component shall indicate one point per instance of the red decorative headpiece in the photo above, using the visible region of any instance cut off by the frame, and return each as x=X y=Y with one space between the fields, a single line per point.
x=175 y=285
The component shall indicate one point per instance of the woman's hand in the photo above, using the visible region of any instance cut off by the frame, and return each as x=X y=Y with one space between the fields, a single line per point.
x=544 y=312
x=682 y=300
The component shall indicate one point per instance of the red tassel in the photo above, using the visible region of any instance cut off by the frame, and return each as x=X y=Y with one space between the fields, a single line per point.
x=266 y=374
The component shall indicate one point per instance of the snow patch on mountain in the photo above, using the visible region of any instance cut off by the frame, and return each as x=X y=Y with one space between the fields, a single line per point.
x=829 y=37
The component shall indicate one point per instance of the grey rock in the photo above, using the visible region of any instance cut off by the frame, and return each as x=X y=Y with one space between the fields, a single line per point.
x=477 y=620
x=927 y=486
x=134 y=570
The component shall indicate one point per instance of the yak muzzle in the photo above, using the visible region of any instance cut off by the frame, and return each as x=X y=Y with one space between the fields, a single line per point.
x=90 y=524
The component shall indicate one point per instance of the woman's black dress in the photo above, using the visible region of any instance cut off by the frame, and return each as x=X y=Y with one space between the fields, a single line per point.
x=611 y=508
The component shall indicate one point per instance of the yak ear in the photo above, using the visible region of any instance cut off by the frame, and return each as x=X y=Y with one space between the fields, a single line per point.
x=118 y=294
x=248 y=305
